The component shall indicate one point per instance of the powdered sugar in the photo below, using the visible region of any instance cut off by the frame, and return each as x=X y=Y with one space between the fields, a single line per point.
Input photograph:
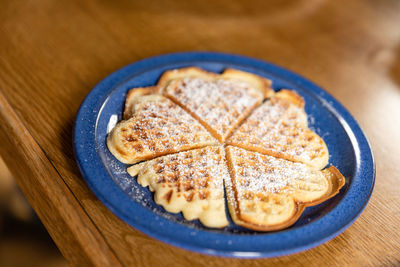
x=279 y=126
x=192 y=170
x=158 y=126
x=220 y=103
x=257 y=173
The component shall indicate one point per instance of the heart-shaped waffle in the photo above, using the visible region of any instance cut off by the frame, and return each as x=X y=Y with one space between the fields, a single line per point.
x=263 y=149
x=190 y=182
x=267 y=193
x=279 y=128
x=155 y=126
x=219 y=102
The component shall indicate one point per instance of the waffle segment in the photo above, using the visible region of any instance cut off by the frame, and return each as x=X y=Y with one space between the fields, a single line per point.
x=266 y=193
x=155 y=126
x=279 y=128
x=219 y=102
x=190 y=182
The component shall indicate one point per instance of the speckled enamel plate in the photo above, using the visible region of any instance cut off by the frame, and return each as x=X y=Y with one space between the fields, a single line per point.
x=107 y=177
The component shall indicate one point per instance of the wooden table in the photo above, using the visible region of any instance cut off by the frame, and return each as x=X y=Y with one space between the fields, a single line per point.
x=52 y=53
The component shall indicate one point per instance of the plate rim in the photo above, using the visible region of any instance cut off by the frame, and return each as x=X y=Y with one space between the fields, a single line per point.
x=90 y=107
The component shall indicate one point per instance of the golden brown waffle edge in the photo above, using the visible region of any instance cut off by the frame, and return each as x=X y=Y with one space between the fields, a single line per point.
x=289 y=203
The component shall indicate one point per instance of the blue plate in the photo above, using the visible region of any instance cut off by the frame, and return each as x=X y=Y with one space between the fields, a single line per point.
x=107 y=177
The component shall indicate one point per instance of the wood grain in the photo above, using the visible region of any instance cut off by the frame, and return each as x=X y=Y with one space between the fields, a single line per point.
x=52 y=53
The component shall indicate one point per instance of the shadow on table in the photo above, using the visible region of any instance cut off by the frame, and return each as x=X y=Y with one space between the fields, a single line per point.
x=27 y=243
x=23 y=239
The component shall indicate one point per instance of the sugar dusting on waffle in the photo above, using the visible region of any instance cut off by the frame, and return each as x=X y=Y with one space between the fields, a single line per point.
x=192 y=170
x=158 y=126
x=158 y=120
x=257 y=173
x=190 y=182
x=280 y=126
x=219 y=103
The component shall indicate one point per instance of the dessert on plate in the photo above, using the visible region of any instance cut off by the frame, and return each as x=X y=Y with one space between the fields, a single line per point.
x=198 y=137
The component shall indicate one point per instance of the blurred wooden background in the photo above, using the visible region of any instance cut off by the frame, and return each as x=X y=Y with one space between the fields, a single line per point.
x=53 y=52
x=23 y=240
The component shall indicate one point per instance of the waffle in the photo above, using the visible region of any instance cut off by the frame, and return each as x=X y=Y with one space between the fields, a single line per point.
x=199 y=130
x=279 y=128
x=155 y=126
x=219 y=102
x=267 y=193
x=190 y=182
